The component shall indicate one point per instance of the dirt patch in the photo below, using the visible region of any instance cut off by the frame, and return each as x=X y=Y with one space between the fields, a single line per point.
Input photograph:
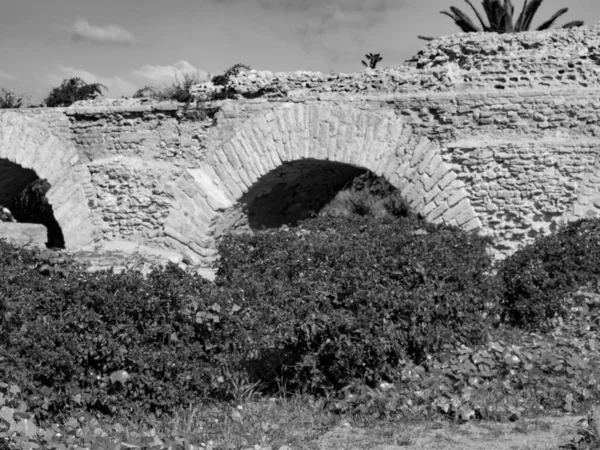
x=542 y=433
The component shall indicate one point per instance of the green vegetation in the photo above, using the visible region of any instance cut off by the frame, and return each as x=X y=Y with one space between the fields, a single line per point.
x=71 y=91
x=372 y=60
x=178 y=91
x=8 y=99
x=224 y=81
x=371 y=315
x=500 y=17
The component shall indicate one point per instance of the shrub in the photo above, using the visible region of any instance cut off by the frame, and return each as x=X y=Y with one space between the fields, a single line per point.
x=8 y=99
x=31 y=206
x=71 y=91
x=225 y=81
x=538 y=277
x=340 y=299
x=178 y=91
x=114 y=344
x=368 y=195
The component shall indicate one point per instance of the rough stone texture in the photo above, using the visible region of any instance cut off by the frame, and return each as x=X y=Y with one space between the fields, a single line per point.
x=460 y=62
x=494 y=133
x=29 y=235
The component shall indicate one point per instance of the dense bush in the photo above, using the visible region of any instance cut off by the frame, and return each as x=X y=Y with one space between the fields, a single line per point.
x=538 y=277
x=340 y=299
x=71 y=91
x=113 y=344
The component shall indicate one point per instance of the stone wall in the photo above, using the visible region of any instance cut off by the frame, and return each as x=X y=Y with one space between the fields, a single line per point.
x=558 y=58
x=495 y=133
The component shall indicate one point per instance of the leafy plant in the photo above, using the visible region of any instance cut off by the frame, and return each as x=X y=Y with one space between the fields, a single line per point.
x=72 y=90
x=368 y=195
x=539 y=276
x=499 y=15
x=588 y=434
x=76 y=330
x=373 y=59
x=341 y=299
x=224 y=80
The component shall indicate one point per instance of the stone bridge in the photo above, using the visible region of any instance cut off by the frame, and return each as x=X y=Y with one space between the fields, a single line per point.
x=498 y=134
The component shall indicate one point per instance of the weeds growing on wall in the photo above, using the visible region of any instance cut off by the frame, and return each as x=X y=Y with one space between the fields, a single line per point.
x=178 y=91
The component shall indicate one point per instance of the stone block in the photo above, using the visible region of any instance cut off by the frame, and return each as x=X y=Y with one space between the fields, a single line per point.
x=33 y=235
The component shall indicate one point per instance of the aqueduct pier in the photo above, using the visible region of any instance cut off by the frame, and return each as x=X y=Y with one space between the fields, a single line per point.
x=494 y=133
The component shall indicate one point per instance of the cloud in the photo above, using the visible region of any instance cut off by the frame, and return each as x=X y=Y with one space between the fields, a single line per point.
x=7 y=76
x=333 y=28
x=157 y=75
x=109 y=35
x=116 y=86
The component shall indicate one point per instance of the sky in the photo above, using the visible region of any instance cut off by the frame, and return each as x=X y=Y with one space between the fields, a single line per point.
x=129 y=44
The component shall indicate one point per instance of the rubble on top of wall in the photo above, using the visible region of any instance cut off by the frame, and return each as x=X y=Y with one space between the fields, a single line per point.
x=552 y=59
x=120 y=102
x=469 y=50
x=465 y=61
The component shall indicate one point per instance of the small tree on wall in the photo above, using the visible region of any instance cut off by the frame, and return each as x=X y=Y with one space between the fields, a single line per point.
x=373 y=59
x=71 y=91
x=225 y=80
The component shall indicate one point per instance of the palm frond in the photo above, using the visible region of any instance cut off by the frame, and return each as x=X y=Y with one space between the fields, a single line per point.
x=491 y=11
x=548 y=23
x=500 y=17
x=461 y=20
x=509 y=10
x=484 y=26
x=573 y=24
x=519 y=24
x=529 y=11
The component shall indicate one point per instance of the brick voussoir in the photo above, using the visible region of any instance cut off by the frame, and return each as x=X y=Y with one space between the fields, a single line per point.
x=455 y=210
x=437 y=212
x=420 y=149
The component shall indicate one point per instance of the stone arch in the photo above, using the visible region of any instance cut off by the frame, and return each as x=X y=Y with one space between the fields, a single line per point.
x=374 y=140
x=30 y=151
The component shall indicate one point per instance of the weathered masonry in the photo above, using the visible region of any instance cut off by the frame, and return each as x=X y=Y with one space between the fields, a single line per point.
x=494 y=133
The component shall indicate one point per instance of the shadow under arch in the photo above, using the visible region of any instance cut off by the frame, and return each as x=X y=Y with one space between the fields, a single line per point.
x=295 y=191
x=30 y=152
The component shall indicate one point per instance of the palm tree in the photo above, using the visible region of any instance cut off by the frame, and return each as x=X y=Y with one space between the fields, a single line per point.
x=373 y=59
x=499 y=14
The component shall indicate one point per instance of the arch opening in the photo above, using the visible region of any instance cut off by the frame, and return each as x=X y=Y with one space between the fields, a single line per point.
x=295 y=191
x=298 y=190
x=24 y=194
